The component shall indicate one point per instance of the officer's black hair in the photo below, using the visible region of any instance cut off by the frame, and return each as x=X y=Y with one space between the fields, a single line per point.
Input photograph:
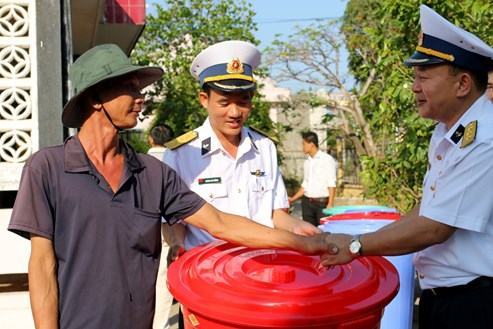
x=206 y=88
x=480 y=78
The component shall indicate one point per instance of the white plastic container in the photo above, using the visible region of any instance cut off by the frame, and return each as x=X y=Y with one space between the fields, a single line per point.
x=399 y=313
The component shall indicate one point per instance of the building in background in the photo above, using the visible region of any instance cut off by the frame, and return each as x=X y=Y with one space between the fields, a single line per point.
x=38 y=41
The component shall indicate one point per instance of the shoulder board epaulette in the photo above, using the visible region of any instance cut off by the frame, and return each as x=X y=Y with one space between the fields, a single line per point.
x=182 y=140
x=469 y=134
x=263 y=133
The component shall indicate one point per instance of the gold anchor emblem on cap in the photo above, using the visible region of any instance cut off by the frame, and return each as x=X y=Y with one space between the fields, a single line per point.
x=235 y=66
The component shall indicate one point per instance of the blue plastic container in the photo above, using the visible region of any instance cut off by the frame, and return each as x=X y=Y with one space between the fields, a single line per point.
x=399 y=313
x=356 y=208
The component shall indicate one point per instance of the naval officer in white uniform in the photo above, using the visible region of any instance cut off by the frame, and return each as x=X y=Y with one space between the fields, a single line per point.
x=231 y=166
x=452 y=229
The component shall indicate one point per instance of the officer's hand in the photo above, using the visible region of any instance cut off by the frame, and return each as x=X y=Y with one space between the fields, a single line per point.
x=305 y=228
x=174 y=253
x=318 y=244
x=342 y=256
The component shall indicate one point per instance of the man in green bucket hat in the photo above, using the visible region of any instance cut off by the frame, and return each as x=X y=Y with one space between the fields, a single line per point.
x=92 y=207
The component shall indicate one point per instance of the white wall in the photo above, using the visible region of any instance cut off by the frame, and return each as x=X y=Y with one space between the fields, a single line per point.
x=14 y=250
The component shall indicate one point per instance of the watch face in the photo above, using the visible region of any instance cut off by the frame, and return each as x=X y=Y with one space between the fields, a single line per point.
x=355 y=247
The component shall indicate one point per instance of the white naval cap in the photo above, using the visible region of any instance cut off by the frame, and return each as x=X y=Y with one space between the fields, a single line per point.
x=227 y=66
x=441 y=41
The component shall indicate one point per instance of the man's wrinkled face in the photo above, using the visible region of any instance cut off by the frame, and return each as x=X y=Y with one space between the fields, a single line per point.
x=123 y=100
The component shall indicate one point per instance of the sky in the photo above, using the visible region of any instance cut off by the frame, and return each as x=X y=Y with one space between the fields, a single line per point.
x=283 y=16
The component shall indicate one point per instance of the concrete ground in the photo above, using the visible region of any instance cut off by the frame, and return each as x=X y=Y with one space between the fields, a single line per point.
x=15 y=311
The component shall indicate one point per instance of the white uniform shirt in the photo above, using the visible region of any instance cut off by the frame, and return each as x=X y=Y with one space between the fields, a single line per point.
x=250 y=185
x=320 y=173
x=458 y=191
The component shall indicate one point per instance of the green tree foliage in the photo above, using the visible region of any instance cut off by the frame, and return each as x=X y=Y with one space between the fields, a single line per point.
x=380 y=35
x=173 y=37
x=312 y=55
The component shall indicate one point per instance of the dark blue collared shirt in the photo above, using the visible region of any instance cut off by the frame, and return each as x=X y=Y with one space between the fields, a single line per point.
x=107 y=244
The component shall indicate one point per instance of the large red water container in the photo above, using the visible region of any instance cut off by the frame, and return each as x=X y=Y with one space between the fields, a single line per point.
x=221 y=286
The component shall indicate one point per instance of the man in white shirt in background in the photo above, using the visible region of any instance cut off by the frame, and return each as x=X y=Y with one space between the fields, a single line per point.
x=318 y=189
x=158 y=136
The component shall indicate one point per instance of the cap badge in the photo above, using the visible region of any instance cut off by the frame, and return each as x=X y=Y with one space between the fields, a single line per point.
x=235 y=66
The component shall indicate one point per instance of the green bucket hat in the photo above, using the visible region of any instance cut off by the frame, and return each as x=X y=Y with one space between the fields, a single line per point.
x=98 y=64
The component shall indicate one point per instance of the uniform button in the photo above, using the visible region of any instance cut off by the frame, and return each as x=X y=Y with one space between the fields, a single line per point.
x=440 y=173
x=439 y=157
x=211 y=195
x=421 y=276
x=239 y=190
x=432 y=187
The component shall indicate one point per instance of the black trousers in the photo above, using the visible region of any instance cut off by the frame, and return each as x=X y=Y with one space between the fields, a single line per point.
x=311 y=209
x=461 y=307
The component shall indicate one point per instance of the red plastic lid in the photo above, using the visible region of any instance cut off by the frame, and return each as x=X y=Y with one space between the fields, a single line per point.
x=269 y=288
x=376 y=215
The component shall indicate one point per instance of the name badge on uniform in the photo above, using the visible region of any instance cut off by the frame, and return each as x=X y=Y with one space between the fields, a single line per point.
x=209 y=180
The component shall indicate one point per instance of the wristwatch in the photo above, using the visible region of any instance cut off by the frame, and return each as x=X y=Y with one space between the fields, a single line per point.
x=355 y=246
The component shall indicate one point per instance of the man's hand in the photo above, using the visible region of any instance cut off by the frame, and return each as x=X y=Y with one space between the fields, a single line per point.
x=174 y=253
x=342 y=255
x=318 y=244
x=304 y=228
x=286 y=222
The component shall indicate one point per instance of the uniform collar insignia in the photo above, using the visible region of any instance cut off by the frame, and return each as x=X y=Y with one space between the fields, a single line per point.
x=206 y=146
x=469 y=134
x=458 y=133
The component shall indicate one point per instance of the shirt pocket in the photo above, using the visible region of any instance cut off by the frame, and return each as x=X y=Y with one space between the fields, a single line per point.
x=211 y=192
x=260 y=185
x=143 y=230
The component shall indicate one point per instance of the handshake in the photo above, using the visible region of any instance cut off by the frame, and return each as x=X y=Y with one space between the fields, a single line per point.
x=334 y=248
